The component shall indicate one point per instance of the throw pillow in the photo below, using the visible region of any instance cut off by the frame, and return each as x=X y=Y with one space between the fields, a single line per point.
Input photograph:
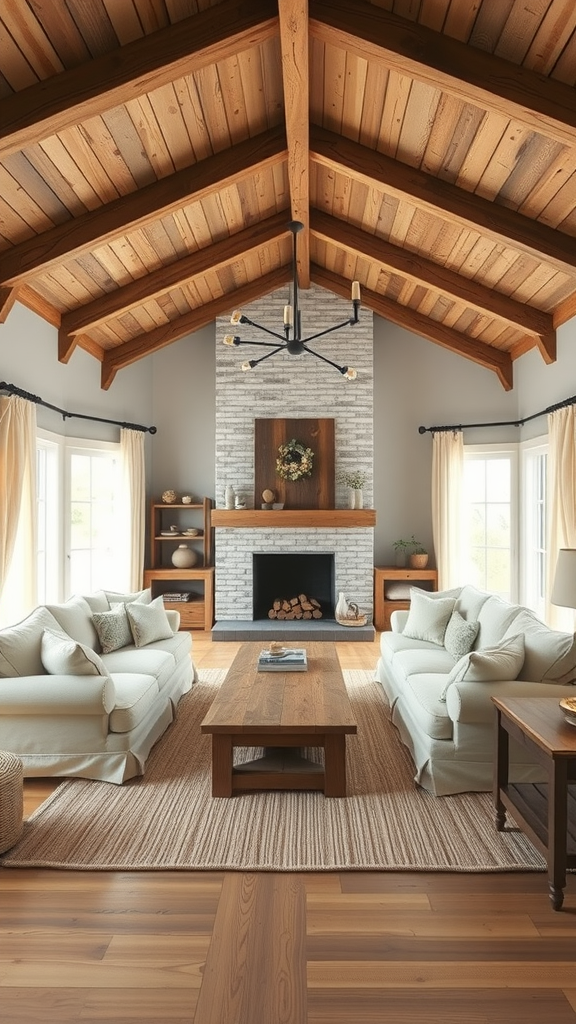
x=460 y=635
x=148 y=622
x=550 y=655
x=490 y=664
x=428 y=616
x=61 y=655
x=113 y=629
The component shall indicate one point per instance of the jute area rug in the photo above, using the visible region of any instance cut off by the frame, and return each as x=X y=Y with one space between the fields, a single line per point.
x=168 y=819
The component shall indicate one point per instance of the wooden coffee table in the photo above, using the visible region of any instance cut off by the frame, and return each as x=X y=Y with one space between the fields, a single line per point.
x=281 y=711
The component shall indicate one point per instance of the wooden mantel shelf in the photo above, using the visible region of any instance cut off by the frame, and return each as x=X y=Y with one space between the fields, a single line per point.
x=330 y=518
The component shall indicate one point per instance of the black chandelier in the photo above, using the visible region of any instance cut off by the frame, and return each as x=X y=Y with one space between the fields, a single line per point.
x=292 y=341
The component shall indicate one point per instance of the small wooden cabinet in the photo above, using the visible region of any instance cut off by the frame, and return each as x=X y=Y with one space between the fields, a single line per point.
x=383 y=607
x=163 y=578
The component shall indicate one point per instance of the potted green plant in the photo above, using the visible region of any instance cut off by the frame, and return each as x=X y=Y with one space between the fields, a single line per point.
x=418 y=557
x=401 y=548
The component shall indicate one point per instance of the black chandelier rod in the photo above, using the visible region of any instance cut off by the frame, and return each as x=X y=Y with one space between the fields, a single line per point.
x=501 y=423
x=11 y=389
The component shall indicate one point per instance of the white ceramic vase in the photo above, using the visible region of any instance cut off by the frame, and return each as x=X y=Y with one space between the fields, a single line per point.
x=229 y=497
x=184 y=557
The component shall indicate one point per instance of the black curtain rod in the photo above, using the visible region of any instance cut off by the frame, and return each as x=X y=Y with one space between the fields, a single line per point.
x=11 y=389
x=501 y=423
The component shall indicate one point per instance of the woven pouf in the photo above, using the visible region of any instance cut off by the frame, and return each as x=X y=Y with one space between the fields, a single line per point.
x=11 y=799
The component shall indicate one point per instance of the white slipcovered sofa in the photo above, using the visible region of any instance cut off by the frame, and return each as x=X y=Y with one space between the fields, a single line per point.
x=443 y=661
x=88 y=686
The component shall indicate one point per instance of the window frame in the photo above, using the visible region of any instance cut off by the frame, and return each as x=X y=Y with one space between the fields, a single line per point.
x=503 y=449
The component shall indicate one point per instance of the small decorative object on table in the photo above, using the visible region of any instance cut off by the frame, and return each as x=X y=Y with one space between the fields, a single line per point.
x=282 y=659
x=169 y=497
x=347 y=613
x=184 y=557
x=229 y=497
x=186 y=499
x=418 y=557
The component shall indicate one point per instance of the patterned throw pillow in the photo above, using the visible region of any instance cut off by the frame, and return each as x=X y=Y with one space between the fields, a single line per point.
x=113 y=629
x=61 y=655
x=148 y=622
x=460 y=635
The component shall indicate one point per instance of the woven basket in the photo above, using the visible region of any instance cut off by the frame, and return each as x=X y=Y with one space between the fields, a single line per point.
x=11 y=799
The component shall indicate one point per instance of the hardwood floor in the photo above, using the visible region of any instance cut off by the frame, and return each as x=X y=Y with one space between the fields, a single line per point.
x=241 y=948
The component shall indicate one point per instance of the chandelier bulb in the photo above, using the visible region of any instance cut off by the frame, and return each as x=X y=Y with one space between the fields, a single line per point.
x=236 y=317
x=288 y=318
x=355 y=291
x=349 y=372
x=248 y=365
x=230 y=339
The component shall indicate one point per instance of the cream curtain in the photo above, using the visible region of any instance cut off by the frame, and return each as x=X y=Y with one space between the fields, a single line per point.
x=447 y=473
x=561 y=502
x=133 y=504
x=18 y=568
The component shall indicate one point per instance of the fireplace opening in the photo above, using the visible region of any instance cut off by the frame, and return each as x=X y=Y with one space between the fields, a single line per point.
x=283 y=577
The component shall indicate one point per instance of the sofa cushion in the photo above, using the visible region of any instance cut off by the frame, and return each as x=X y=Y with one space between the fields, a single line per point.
x=135 y=695
x=460 y=635
x=490 y=664
x=428 y=616
x=470 y=601
x=98 y=601
x=75 y=618
x=494 y=617
x=113 y=629
x=147 y=661
x=550 y=656
x=423 y=694
x=148 y=622
x=20 y=645
x=61 y=655
x=417 y=661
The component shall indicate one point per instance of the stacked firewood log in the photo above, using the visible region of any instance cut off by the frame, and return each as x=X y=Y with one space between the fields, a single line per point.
x=300 y=607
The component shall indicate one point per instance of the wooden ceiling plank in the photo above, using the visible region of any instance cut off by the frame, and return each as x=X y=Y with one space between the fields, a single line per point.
x=541 y=104
x=153 y=341
x=443 y=199
x=8 y=297
x=293 y=15
x=422 y=271
x=411 y=320
x=101 y=226
x=174 y=275
x=89 y=90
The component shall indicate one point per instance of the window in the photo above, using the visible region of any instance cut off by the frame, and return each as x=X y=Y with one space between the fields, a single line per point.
x=490 y=518
x=78 y=484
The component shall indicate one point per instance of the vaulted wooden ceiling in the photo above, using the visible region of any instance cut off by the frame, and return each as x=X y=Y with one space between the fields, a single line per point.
x=153 y=152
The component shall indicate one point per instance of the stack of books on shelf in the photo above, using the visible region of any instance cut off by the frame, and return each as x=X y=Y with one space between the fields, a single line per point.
x=176 y=597
x=284 y=659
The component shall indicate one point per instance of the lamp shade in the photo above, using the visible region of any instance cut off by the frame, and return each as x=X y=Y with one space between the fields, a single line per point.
x=564 y=589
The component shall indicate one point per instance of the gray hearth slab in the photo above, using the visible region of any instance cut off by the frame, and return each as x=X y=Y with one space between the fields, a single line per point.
x=247 y=630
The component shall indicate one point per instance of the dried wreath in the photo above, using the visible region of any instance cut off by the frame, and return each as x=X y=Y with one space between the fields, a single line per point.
x=294 y=460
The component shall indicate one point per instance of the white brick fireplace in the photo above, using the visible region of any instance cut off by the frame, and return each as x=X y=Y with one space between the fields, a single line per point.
x=293 y=387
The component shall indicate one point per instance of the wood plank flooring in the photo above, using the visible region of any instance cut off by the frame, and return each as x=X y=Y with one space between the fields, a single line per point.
x=249 y=948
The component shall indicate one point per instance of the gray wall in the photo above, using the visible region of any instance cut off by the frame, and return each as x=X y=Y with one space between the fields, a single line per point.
x=416 y=382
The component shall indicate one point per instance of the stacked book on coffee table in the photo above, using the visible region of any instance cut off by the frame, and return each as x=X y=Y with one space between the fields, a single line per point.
x=283 y=659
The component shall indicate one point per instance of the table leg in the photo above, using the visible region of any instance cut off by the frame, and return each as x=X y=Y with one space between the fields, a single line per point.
x=335 y=764
x=557 y=831
x=500 y=770
x=221 y=764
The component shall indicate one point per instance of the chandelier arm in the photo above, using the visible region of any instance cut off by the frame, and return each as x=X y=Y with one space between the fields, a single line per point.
x=329 y=330
x=262 y=344
x=342 y=369
x=260 y=327
x=267 y=356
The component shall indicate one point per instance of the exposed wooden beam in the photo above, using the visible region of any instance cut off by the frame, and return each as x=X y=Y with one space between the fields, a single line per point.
x=422 y=271
x=472 y=75
x=295 y=77
x=417 y=323
x=38 y=304
x=147 y=288
x=444 y=200
x=97 y=227
x=8 y=297
x=145 y=64
x=124 y=355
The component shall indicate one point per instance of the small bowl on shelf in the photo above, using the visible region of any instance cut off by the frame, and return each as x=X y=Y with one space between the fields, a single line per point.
x=568 y=705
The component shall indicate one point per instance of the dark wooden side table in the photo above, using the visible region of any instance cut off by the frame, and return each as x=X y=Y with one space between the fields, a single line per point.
x=546 y=811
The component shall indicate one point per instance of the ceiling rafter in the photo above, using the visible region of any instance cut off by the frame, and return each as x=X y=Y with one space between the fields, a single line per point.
x=97 y=227
x=152 y=341
x=541 y=104
x=432 y=275
x=73 y=96
x=295 y=78
x=144 y=290
x=443 y=199
x=477 y=351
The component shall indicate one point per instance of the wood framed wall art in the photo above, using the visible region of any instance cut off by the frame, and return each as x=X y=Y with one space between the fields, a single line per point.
x=315 y=491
